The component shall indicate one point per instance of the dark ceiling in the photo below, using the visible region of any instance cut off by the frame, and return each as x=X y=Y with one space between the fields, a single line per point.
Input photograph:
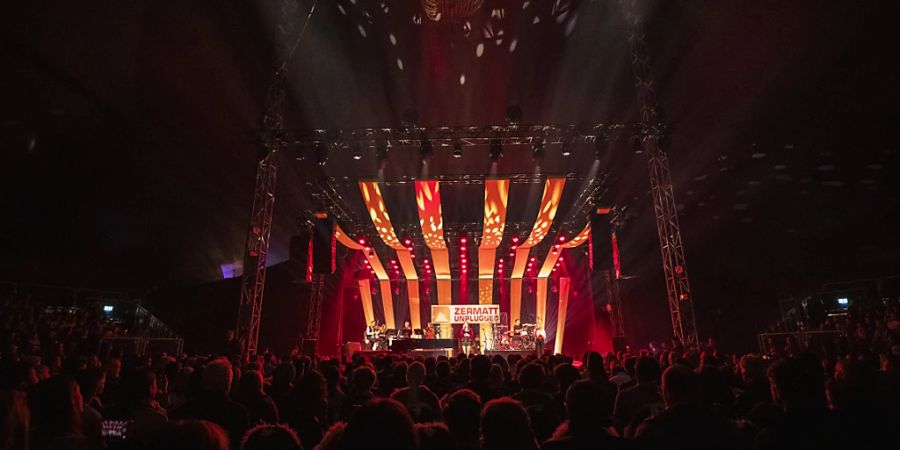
x=128 y=127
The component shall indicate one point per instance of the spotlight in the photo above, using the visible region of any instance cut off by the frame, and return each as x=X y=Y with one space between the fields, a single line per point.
x=321 y=154
x=457 y=150
x=566 y=148
x=381 y=154
x=496 y=149
x=537 y=151
x=425 y=149
x=357 y=152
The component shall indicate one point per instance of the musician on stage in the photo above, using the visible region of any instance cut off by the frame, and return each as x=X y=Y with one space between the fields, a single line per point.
x=406 y=331
x=517 y=328
x=466 y=334
x=539 y=337
x=371 y=336
x=429 y=331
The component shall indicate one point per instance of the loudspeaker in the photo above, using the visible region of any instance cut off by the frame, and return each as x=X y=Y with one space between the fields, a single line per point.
x=601 y=242
x=323 y=244
x=300 y=261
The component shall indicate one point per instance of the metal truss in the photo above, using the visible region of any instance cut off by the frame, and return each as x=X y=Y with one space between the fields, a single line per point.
x=272 y=136
x=253 y=284
x=678 y=288
x=469 y=135
x=314 y=315
x=454 y=179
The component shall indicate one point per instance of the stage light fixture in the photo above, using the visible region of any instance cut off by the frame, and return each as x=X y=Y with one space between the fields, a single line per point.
x=457 y=150
x=566 y=148
x=496 y=148
x=357 y=152
x=425 y=149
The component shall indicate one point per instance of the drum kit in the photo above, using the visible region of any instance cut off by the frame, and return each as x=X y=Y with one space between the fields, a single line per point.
x=521 y=339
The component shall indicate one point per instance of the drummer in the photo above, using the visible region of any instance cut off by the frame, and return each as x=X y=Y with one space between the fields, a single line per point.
x=517 y=327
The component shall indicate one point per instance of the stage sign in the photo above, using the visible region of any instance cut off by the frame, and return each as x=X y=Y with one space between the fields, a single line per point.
x=465 y=313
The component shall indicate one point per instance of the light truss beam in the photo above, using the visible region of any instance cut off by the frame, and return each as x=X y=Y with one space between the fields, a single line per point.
x=468 y=135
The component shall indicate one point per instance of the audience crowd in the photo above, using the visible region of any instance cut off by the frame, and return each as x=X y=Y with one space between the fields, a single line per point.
x=56 y=393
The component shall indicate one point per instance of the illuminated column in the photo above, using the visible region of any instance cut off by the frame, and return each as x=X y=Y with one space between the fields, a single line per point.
x=428 y=201
x=553 y=188
x=496 y=195
x=564 y=285
x=540 y=302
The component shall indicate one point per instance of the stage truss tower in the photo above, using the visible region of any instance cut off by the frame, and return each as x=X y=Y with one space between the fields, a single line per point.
x=272 y=139
x=678 y=288
x=314 y=315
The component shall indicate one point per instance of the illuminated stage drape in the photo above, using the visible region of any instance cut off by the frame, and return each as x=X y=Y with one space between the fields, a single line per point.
x=553 y=188
x=365 y=290
x=547 y=269
x=378 y=212
x=428 y=202
x=564 y=287
x=496 y=195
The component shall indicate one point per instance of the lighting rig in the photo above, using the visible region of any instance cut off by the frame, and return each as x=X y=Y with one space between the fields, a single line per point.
x=455 y=139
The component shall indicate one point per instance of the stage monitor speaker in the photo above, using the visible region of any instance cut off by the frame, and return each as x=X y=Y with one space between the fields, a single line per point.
x=323 y=243
x=601 y=242
x=300 y=258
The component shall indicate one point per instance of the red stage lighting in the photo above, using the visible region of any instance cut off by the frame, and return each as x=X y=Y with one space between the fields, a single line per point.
x=463 y=240
x=562 y=239
x=515 y=239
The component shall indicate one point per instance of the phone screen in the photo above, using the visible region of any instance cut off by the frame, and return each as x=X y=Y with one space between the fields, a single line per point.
x=114 y=429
